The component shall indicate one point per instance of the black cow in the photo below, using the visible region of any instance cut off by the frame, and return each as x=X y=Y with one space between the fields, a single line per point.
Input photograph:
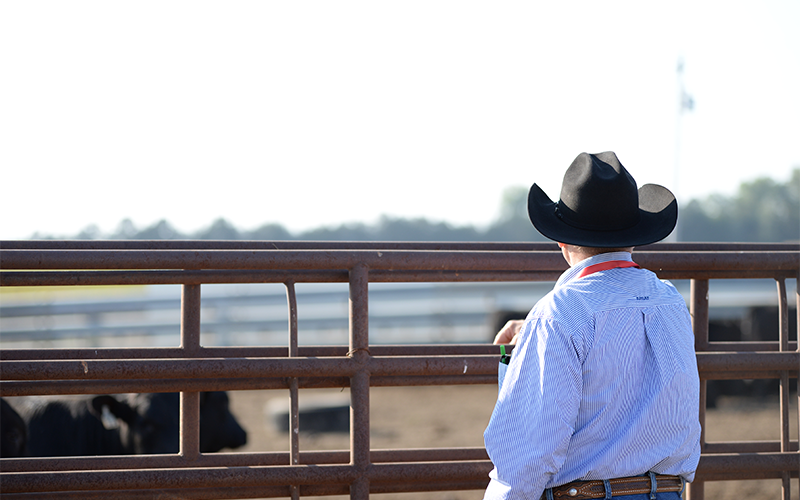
x=13 y=433
x=132 y=424
x=73 y=426
x=158 y=431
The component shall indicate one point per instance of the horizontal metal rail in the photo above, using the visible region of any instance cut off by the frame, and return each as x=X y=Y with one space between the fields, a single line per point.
x=356 y=245
x=400 y=260
x=732 y=465
x=359 y=471
x=718 y=365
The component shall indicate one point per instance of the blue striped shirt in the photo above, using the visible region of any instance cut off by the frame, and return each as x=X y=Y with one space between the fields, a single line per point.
x=602 y=384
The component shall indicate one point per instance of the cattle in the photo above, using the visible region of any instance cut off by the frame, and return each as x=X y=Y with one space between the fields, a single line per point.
x=67 y=426
x=158 y=430
x=13 y=432
x=144 y=423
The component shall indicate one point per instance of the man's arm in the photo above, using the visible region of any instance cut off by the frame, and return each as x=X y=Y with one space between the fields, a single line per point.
x=534 y=418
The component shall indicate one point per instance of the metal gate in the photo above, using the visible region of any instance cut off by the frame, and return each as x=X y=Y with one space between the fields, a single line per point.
x=192 y=367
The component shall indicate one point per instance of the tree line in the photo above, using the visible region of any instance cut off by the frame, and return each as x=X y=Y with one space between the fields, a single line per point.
x=762 y=210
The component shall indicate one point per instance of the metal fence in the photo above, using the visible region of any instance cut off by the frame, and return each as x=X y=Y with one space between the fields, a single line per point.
x=192 y=367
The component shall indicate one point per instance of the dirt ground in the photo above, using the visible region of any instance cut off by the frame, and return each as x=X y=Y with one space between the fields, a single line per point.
x=455 y=416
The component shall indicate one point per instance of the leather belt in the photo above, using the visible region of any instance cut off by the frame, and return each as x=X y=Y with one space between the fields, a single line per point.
x=635 y=485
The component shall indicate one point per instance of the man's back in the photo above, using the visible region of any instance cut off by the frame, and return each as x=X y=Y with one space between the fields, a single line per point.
x=604 y=377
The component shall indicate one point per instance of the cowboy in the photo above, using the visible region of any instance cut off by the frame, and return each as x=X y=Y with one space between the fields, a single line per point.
x=600 y=398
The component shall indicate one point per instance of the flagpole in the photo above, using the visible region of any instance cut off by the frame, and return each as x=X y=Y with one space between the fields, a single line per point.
x=685 y=103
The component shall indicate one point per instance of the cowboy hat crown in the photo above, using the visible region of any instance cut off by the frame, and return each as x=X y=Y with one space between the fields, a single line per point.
x=600 y=206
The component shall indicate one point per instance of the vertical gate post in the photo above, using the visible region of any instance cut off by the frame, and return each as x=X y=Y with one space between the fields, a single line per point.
x=190 y=401
x=797 y=305
x=294 y=410
x=699 y=311
x=359 y=382
x=783 y=340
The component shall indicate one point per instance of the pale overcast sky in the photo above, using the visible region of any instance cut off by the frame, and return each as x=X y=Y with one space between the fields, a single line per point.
x=316 y=113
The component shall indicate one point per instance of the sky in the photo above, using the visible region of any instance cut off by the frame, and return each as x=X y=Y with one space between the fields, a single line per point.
x=317 y=113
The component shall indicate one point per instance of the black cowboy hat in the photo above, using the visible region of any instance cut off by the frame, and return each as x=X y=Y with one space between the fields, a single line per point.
x=601 y=207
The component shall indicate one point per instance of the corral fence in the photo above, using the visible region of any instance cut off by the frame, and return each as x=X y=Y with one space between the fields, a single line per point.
x=361 y=471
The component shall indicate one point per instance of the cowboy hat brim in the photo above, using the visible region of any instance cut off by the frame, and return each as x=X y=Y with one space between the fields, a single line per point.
x=658 y=214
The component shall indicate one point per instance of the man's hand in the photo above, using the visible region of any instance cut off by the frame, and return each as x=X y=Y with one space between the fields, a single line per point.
x=508 y=334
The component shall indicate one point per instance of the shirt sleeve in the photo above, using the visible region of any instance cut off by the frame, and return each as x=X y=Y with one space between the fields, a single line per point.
x=536 y=410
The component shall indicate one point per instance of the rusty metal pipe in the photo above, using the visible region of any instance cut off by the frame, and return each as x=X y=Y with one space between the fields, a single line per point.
x=711 y=365
x=747 y=361
x=245 y=352
x=285 y=260
x=748 y=447
x=315 y=245
x=359 y=382
x=743 y=375
x=244 y=459
x=741 y=463
x=377 y=259
x=429 y=471
x=176 y=478
x=371 y=245
x=183 y=494
x=145 y=369
x=142 y=277
x=241 y=476
x=189 y=419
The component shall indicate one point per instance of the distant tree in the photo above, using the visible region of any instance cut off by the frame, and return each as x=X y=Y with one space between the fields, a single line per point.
x=513 y=223
x=220 y=229
x=398 y=229
x=345 y=232
x=761 y=211
x=394 y=229
x=269 y=232
x=90 y=232
x=42 y=236
x=707 y=220
x=126 y=230
x=161 y=230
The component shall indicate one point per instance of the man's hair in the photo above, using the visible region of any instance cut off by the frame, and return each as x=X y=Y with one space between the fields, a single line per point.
x=592 y=251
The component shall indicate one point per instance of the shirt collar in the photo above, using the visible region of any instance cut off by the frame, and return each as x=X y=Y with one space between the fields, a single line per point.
x=571 y=273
